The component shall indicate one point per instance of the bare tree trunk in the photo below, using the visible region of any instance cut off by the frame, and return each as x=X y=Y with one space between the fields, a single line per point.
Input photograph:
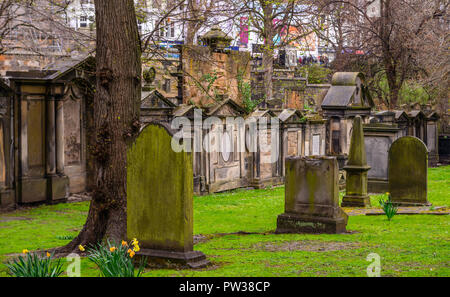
x=116 y=119
x=268 y=51
x=390 y=65
x=191 y=24
x=192 y=29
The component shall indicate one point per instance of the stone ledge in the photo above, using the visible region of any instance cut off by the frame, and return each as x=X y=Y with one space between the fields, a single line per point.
x=294 y=223
x=192 y=259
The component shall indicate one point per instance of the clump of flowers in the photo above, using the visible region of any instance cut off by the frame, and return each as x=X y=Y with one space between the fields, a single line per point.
x=388 y=207
x=35 y=265
x=116 y=260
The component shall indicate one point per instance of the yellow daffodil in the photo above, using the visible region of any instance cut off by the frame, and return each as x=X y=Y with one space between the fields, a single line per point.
x=48 y=255
x=81 y=248
x=124 y=243
x=387 y=193
x=112 y=249
x=136 y=248
x=25 y=251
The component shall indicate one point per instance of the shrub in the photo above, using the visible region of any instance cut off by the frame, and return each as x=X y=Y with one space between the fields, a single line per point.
x=35 y=265
x=116 y=260
x=245 y=91
x=388 y=207
x=317 y=74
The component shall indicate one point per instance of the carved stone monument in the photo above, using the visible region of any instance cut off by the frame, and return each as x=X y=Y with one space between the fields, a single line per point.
x=356 y=168
x=312 y=197
x=160 y=198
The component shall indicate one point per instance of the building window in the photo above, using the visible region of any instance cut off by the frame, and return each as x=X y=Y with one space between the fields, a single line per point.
x=167 y=85
x=172 y=30
x=83 y=21
x=335 y=136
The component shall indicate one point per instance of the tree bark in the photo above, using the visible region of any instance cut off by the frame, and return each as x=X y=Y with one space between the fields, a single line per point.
x=116 y=119
x=268 y=51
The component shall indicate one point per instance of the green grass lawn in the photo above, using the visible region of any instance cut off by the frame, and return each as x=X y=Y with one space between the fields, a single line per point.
x=417 y=245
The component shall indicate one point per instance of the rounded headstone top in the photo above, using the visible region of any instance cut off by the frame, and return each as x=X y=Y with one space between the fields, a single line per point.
x=163 y=125
x=346 y=78
x=409 y=141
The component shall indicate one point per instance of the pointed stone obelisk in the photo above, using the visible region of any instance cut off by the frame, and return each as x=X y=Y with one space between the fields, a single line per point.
x=356 y=168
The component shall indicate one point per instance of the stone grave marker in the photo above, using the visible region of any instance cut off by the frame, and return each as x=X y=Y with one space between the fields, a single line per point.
x=356 y=168
x=160 y=198
x=312 y=197
x=408 y=170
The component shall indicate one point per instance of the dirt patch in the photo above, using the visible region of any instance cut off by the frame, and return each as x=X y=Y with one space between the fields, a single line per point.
x=10 y=219
x=307 y=245
x=411 y=210
x=200 y=238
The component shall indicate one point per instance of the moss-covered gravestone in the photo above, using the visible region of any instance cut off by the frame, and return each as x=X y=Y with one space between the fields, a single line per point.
x=312 y=197
x=356 y=168
x=160 y=198
x=408 y=170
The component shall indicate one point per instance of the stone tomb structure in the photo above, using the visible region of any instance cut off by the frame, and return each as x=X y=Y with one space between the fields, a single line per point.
x=160 y=198
x=43 y=135
x=346 y=98
x=312 y=197
x=422 y=124
x=299 y=135
x=266 y=156
x=408 y=170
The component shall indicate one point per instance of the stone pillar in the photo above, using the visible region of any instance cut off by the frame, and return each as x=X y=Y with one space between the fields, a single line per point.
x=24 y=137
x=356 y=168
x=50 y=148
x=312 y=197
x=60 y=137
x=57 y=184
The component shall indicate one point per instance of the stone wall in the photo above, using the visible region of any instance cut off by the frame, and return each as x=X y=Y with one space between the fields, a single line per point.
x=289 y=90
x=26 y=61
x=210 y=76
x=166 y=79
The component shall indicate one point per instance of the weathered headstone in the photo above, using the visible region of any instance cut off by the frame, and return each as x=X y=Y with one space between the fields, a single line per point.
x=378 y=138
x=356 y=168
x=312 y=197
x=408 y=170
x=160 y=198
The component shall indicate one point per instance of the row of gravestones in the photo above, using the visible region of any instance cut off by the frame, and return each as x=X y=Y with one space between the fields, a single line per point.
x=407 y=171
x=160 y=191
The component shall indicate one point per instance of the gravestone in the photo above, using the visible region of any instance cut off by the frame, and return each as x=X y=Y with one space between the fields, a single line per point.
x=312 y=197
x=378 y=138
x=408 y=170
x=160 y=198
x=356 y=169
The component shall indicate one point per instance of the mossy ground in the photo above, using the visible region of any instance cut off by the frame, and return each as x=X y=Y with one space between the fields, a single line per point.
x=417 y=245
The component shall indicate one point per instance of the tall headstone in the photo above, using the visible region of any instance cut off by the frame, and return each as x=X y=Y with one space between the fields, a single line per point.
x=312 y=197
x=160 y=198
x=408 y=170
x=356 y=168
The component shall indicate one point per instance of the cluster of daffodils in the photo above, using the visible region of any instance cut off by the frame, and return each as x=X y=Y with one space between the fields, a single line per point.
x=25 y=251
x=132 y=250
x=135 y=247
